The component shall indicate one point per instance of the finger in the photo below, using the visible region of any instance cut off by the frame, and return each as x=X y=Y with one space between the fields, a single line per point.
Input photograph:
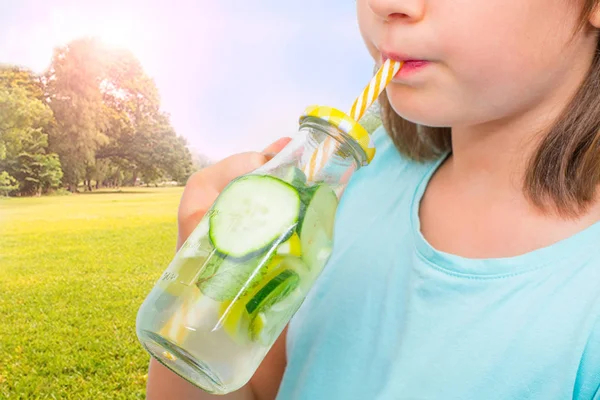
x=220 y=174
x=195 y=201
x=277 y=145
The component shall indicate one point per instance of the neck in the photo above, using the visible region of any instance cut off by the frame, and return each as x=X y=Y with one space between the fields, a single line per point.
x=491 y=160
x=495 y=156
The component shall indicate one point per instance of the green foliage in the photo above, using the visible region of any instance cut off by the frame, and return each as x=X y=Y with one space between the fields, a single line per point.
x=138 y=131
x=12 y=77
x=20 y=116
x=26 y=165
x=73 y=90
x=72 y=282
x=7 y=183
x=39 y=173
x=94 y=115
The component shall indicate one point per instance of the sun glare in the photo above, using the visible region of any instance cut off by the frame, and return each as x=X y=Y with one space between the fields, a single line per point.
x=118 y=31
x=117 y=35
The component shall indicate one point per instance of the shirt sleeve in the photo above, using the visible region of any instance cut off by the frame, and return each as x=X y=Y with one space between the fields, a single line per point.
x=587 y=385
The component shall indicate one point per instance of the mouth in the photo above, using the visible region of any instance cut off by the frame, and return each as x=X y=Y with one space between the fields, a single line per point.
x=410 y=66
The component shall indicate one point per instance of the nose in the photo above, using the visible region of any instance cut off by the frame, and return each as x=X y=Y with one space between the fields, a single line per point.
x=389 y=10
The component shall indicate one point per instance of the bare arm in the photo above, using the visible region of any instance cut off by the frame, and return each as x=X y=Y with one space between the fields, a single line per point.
x=200 y=192
x=165 y=384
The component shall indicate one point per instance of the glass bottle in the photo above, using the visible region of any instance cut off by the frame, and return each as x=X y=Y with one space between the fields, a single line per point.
x=244 y=271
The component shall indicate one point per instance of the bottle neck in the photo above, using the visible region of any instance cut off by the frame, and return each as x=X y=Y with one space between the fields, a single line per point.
x=347 y=147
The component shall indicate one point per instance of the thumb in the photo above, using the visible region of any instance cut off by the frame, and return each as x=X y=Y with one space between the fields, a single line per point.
x=276 y=146
x=220 y=174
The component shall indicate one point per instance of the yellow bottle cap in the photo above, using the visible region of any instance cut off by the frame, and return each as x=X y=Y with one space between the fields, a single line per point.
x=344 y=123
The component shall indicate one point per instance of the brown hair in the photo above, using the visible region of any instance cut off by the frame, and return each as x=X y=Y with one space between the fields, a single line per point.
x=563 y=174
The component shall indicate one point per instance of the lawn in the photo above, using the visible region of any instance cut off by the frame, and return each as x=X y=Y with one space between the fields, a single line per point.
x=73 y=273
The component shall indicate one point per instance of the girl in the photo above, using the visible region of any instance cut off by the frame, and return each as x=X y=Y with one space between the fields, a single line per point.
x=466 y=260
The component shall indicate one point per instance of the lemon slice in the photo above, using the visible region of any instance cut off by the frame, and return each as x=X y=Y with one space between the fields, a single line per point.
x=233 y=316
x=264 y=329
x=257 y=328
x=247 y=317
x=234 y=320
x=292 y=246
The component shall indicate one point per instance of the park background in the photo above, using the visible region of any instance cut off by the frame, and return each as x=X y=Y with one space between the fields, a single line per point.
x=106 y=108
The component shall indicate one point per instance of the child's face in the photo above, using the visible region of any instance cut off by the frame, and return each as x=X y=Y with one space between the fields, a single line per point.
x=488 y=59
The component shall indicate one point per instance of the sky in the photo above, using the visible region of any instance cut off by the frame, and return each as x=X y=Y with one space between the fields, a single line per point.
x=234 y=75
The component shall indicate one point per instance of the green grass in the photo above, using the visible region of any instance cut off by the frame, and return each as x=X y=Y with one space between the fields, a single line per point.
x=73 y=272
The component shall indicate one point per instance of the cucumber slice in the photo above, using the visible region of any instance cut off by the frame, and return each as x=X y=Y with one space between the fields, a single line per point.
x=266 y=326
x=251 y=214
x=269 y=321
x=275 y=290
x=294 y=176
x=316 y=229
x=223 y=279
x=306 y=194
x=233 y=315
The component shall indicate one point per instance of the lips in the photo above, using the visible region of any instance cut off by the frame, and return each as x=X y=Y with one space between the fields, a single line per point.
x=411 y=64
x=399 y=57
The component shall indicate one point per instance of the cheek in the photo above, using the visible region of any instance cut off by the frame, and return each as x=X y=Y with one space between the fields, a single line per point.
x=500 y=46
x=367 y=26
x=494 y=58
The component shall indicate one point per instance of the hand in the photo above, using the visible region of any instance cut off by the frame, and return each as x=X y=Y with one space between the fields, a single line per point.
x=204 y=186
x=199 y=194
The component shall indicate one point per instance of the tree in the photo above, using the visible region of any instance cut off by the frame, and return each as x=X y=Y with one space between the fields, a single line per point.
x=7 y=183
x=37 y=172
x=73 y=89
x=138 y=131
x=12 y=77
x=200 y=161
x=94 y=115
x=164 y=155
x=25 y=164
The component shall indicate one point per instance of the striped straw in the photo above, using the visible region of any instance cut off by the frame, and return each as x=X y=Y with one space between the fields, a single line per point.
x=319 y=157
x=379 y=82
x=371 y=92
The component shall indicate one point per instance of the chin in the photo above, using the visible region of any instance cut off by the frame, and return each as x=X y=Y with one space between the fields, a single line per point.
x=421 y=110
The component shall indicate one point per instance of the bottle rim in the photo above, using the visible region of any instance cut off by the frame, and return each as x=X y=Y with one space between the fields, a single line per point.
x=346 y=141
x=345 y=125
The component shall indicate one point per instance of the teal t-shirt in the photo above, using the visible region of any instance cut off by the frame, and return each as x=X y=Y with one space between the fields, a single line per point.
x=393 y=318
